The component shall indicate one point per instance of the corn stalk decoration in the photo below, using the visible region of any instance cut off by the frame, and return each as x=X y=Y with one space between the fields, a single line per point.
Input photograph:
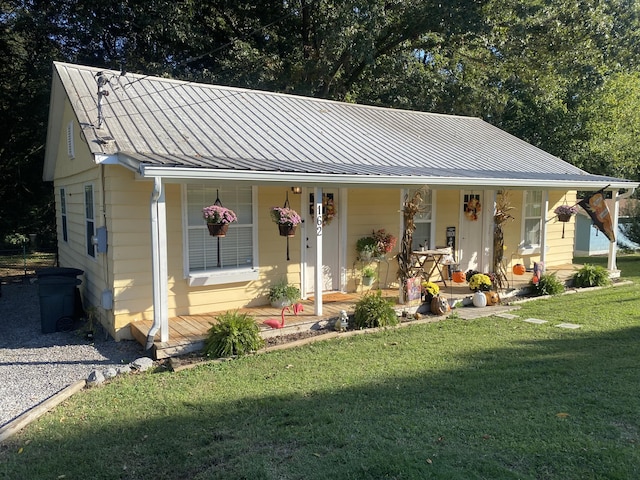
x=410 y=208
x=500 y=217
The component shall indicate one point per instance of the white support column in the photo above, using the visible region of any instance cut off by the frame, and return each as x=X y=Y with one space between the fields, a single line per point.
x=319 y=280
x=613 y=247
x=543 y=231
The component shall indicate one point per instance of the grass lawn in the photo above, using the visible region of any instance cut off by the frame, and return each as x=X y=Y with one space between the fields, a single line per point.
x=483 y=399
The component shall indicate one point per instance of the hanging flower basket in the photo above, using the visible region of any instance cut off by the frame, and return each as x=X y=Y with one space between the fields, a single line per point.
x=218 y=229
x=218 y=219
x=287 y=219
x=287 y=230
x=564 y=212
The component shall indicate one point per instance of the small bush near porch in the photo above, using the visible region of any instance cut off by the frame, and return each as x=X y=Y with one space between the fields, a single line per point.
x=488 y=398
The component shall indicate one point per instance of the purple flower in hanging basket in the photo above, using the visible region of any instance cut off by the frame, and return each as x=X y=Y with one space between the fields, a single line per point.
x=566 y=210
x=285 y=216
x=218 y=214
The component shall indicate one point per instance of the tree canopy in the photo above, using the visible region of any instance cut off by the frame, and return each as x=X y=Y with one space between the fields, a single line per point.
x=562 y=75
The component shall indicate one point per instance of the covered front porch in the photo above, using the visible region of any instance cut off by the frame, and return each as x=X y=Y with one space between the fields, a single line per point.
x=187 y=333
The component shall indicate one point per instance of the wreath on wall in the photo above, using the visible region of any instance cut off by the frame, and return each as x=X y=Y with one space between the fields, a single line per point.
x=472 y=209
x=329 y=210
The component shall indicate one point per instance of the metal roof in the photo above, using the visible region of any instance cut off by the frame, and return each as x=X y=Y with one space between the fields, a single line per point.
x=176 y=129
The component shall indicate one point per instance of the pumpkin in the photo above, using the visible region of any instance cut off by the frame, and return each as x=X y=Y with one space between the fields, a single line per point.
x=439 y=305
x=492 y=298
x=458 y=276
x=519 y=269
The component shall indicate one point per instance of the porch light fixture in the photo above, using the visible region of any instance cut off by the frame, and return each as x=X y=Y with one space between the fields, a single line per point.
x=296 y=190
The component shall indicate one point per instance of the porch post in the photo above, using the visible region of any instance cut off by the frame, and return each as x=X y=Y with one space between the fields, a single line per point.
x=613 y=247
x=317 y=195
x=543 y=231
x=159 y=261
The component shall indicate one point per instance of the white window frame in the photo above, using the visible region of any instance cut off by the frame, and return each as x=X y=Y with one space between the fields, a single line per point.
x=63 y=215
x=217 y=276
x=406 y=193
x=525 y=247
x=89 y=221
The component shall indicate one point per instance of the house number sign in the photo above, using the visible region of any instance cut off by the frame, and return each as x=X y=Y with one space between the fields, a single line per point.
x=319 y=219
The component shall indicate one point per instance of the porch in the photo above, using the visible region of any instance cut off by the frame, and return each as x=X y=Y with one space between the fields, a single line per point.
x=187 y=333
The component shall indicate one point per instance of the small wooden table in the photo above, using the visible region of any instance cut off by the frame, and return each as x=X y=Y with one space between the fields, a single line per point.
x=421 y=258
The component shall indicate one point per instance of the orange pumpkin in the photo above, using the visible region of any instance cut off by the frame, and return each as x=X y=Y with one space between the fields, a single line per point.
x=519 y=269
x=458 y=276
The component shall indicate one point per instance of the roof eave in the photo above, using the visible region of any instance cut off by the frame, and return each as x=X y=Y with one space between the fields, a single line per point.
x=297 y=178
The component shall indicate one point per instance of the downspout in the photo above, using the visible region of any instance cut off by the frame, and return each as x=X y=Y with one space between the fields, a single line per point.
x=158 y=265
x=613 y=247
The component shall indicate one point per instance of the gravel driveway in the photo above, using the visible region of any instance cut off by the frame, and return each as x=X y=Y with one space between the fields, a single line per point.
x=34 y=366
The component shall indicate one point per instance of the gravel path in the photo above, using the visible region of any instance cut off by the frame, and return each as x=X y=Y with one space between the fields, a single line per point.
x=34 y=366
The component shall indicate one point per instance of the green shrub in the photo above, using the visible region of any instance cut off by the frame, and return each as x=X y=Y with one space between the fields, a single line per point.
x=591 y=276
x=233 y=334
x=548 y=284
x=373 y=310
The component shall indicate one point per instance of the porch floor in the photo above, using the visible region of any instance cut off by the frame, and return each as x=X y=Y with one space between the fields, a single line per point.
x=187 y=333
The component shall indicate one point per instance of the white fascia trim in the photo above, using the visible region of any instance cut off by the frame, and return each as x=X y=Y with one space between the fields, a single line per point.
x=376 y=180
x=102 y=159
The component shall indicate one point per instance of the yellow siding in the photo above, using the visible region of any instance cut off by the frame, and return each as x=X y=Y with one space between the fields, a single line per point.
x=447 y=203
x=369 y=210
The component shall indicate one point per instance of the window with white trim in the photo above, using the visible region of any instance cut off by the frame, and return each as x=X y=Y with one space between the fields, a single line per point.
x=423 y=221
x=63 y=214
x=90 y=225
x=532 y=216
x=235 y=251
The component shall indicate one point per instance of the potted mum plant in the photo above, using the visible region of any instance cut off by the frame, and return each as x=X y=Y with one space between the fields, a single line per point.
x=480 y=283
x=218 y=219
x=429 y=290
x=287 y=220
x=564 y=212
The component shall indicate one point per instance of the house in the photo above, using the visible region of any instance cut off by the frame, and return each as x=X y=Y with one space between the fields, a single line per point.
x=135 y=158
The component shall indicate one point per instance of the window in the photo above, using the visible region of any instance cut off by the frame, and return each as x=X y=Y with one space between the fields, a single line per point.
x=532 y=218
x=226 y=257
x=71 y=149
x=63 y=212
x=89 y=220
x=423 y=221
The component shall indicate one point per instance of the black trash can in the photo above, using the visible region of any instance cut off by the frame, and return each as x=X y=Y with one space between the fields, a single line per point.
x=59 y=297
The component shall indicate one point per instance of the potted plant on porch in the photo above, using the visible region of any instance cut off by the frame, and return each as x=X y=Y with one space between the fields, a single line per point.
x=369 y=274
x=283 y=294
x=480 y=283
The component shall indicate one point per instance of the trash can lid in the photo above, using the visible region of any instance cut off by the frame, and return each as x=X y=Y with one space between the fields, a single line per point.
x=59 y=271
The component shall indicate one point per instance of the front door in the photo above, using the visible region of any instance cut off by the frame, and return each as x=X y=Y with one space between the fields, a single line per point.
x=472 y=231
x=330 y=243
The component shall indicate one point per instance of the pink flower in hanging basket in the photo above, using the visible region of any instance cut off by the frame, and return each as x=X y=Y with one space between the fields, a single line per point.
x=566 y=210
x=218 y=214
x=285 y=216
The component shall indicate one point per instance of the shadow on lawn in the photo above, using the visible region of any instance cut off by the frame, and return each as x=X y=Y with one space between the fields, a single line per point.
x=555 y=408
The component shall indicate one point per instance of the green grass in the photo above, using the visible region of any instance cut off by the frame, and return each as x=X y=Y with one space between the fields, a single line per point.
x=483 y=399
